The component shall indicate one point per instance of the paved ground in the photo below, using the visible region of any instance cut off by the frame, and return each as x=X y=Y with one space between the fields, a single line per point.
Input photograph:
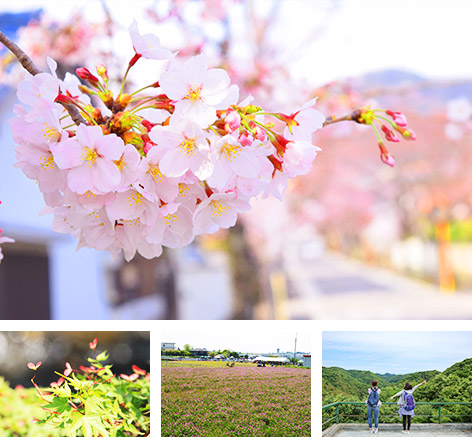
x=203 y=285
x=426 y=433
x=334 y=287
x=417 y=430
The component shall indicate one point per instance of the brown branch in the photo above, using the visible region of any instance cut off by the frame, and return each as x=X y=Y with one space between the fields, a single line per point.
x=353 y=116
x=31 y=68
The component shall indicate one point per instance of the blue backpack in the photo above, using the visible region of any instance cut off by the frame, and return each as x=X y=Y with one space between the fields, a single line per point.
x=373 y=398
x=409 y=402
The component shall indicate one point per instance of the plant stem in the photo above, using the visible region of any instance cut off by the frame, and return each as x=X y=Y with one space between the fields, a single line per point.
x=31 y=68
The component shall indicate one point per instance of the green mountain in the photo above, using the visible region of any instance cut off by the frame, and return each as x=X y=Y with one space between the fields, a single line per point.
x=454 y=384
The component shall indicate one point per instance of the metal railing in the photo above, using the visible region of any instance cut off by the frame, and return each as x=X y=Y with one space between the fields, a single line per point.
x=386 y=417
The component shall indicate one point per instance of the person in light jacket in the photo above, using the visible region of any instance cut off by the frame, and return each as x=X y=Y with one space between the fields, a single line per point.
x=406 y=414
x=373 y=405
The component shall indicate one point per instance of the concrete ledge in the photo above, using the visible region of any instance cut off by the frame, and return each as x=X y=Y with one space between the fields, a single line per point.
x=426 y=428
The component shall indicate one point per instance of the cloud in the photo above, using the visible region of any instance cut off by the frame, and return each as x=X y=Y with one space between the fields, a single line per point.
x=396 y=352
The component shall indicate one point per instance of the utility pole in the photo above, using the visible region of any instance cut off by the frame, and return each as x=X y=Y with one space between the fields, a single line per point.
x=295 y=350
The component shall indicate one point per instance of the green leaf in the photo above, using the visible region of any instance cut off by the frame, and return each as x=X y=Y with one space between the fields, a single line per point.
x=103 y=356
x=59 y=404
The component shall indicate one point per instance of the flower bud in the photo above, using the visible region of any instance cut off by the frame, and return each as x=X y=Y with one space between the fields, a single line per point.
x=389 y=135
x=102 y=72
x=85 y=74
x=87 y=90
x=232 y=120
x=251 y=109
x=260 y=133
x=398 y=117
x=385 y=156
x=246 y=139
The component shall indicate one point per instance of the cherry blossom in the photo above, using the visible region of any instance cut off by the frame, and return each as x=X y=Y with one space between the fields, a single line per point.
x=148 y=45
x=220 y=210
x=90 y=160
x=155 y=167
x=199 y=92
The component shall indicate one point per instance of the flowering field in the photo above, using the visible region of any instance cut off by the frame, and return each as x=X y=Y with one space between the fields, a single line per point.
x=211 y=399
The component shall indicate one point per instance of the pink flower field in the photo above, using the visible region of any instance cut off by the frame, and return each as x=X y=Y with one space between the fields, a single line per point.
x=210 y=399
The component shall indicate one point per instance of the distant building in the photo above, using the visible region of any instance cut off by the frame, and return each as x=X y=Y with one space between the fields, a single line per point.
x=197 y=352
x=307 y=360
x=167 y=346
x=271 y=360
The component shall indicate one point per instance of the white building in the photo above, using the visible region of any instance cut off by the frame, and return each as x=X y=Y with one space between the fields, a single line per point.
x=307 y=360
x=167 y=346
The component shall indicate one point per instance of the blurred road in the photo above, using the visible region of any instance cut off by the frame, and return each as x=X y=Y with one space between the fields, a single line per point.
x=334 y=287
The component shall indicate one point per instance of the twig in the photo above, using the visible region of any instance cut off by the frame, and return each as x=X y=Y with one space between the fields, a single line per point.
x=353 y=116
x=31 y=68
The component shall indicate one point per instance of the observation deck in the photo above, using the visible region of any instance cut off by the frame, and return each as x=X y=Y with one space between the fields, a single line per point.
x=452 y=419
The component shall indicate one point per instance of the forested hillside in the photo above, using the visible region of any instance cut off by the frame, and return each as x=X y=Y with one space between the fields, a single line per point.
x=454 y=384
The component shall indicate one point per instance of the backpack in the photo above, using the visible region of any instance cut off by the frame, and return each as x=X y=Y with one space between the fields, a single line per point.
x=409 y=402
x=373 y=398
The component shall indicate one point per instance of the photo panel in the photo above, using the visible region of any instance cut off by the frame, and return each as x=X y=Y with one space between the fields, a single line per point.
x=74 y=383
x=236 y=378
x=401 y=378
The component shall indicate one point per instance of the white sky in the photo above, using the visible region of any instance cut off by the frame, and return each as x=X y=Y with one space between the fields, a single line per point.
x=396 y=352
x=423 y=36
x=241 y=336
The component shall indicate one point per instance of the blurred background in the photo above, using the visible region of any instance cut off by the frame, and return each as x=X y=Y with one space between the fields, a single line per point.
x=54 y=349
x=354 y=239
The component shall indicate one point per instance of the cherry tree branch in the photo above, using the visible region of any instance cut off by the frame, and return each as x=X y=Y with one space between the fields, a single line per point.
x=31 y=68
x=353 y=116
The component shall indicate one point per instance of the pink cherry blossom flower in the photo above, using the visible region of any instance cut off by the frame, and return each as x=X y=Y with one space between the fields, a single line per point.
x=148 y=46
x=130 y=239
x=133 y=204
x=174 y=228
x=34 y=153
x=198 y=92
x=230 y=158
x=309 y=120
x=220 y=210
x=186 y=148
x=89 y=158
x=151 y=177
x=128 y=165
x=299 y=157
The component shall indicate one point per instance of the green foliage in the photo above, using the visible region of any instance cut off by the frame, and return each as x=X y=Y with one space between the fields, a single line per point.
x=90 y=402
x=452 y=385
x=94 y=402
x=18 y=407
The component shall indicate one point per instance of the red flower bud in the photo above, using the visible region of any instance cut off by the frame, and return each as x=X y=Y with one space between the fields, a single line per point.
x=389 y=135
x=85 y=74
x=385 y=157
x=398 y=117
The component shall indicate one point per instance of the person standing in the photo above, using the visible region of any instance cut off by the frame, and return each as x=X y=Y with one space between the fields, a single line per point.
x=373 y=406
x=406 y=403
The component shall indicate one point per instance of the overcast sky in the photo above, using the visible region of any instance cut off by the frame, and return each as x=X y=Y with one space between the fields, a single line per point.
x=395 y=352
x=331 y=39
x=247 y=336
